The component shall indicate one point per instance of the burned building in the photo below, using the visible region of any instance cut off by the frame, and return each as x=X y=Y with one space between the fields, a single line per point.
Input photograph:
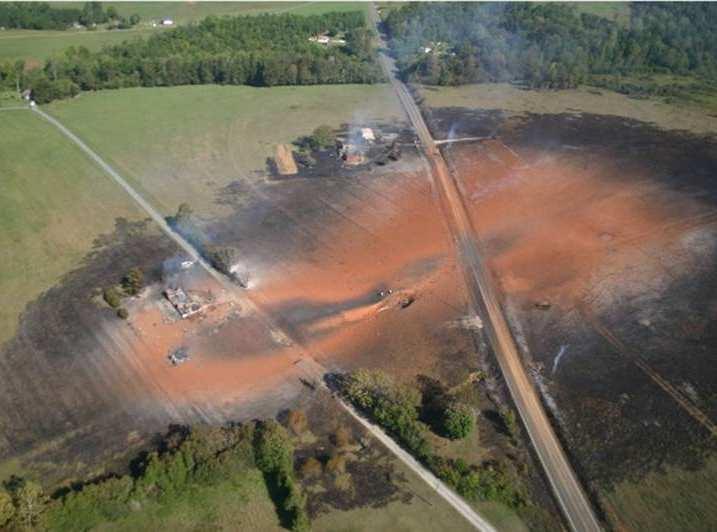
x=186 y=304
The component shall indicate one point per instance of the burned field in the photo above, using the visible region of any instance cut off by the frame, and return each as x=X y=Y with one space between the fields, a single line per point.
x=354 y=263
x=601 y=231
x=63 y=398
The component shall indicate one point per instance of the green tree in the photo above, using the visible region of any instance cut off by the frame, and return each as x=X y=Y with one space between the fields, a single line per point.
x=274 y=451
x=122 y=313
x=510 y=422
x=30 y=500
x=322 y=137
x=458 y=421
x=359 y=42
x=133 y=281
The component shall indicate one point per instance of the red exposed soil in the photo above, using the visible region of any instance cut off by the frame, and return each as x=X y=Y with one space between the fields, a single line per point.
x=397 y=240
x=557 y=226
x=328 y=299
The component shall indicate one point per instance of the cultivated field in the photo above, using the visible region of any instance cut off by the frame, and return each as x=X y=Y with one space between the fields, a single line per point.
x=186 y=143
x=35 y=46
x=54 y=204
x=601 y=231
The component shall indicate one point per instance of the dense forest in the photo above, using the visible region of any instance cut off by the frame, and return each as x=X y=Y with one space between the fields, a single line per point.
x=263 y=50
x=548 y=44
x=43 y=16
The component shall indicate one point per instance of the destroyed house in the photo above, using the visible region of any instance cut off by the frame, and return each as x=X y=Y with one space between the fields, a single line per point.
x=185 y=304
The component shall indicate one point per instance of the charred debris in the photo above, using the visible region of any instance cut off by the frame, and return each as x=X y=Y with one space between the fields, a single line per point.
x=343 y=153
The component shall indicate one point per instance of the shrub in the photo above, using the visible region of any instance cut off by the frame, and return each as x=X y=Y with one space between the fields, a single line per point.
x=311 y=468
x=322 y=137
x=458 y=420
x=392 y=406
x=297 y=422
x=7 y=508
x=133 y=281
x=30 y=502
x=122 y=313
x=336 y=464
x=222 y=258
x=510 y=422
x=112 y=297
x=342 y=437
x=488 y=483
x=184 y=214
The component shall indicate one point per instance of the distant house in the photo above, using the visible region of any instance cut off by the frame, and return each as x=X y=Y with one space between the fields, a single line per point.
x=166 y=22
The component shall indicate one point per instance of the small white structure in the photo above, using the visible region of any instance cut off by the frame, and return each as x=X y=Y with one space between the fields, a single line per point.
x=321 y=39
x=186 y=264
x=367 y=134
x=166 y=22
x=427 y=49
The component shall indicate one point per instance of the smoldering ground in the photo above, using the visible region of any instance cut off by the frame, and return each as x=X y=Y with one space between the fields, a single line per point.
x=612 y=218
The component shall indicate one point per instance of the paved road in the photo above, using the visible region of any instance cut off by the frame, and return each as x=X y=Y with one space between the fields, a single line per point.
x=481 y=287
x=307 y=364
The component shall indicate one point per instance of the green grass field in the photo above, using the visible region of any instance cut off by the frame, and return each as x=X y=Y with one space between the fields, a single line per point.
x=36 y=46
x=425 y=512
x=652 y=504
x=185 y=143
x=54 y=202
x=240 y=504
x=183 y=12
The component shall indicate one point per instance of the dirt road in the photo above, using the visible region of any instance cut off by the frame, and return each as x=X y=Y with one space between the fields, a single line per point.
x=481 y=288
x=306 y=363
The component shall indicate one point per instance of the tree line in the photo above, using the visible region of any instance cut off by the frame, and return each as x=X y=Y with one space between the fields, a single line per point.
x=191 y=463
x=43 y=16
x=263 y=50
x=549 y=45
